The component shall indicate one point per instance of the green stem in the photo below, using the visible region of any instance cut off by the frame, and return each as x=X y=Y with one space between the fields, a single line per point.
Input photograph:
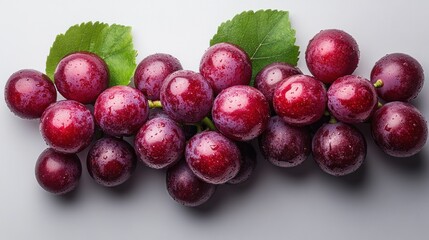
x=208 y=123
x=155 y=104
x=379 y=105
x=333 y=120
x=378 y=84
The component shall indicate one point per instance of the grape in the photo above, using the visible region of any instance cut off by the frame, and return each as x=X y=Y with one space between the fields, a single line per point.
x=186 y=96
x=186 y=188
x=300 y=100
x=151 y=72
x=225 y=65
x=121 y=110
x=284 y=145
x=111 y=161
x=58 y=173
x=352 y=99
x=212 y=157
x=67 y=126
x=160 y=143
x=332 y=54
x=271 y=75
x=399 y=129
x=247 y=163
x=240 y=112
x=402 y=77
x=28 y=93
x=81 y=76
x=338 y=148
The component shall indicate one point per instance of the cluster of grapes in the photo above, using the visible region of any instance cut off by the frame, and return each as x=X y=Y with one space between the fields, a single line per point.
x=198 y=125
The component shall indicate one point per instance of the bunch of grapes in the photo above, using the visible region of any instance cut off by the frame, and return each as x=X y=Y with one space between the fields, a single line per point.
x=198 y=125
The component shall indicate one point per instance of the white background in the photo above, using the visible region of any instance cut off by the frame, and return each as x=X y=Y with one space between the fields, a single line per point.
x=387 y=199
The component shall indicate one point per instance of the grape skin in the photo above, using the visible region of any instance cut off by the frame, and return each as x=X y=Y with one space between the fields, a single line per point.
x=81 y=76
x=352 y=99
x=212 y=157
x=338 y=148
x=284 y=145
x=67 y=126
x=111 y=161
x=58 y=173
x=152 y=71
x=399 y=129
x=240 y=112
x=160 y=143
x=121 y=111
x=402 y=77
x=186 y=96
x=28 y=93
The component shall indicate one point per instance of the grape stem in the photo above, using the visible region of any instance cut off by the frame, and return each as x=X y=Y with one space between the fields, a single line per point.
x=154 y=104
x=208 y=123
x=378 y=84
x=333 y=120
x=379 y=105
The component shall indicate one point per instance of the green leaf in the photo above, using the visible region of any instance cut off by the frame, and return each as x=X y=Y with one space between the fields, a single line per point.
x=266 y=36
x=114 y=44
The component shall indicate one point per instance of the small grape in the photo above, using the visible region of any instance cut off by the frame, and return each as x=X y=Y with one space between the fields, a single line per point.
x=338 y=148
x=81 y=76
x=402 y=77
x=399 y=129
x=28 y=93
x=247 y=163
x=58 y=173
x=152 y=71
x=111 y=161
x=225 y=65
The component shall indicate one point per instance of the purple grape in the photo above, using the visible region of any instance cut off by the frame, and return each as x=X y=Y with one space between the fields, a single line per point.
x=81 y=76
x=399 y=129
x=111 y=161
x=58 y=173
x=271 y=75
x=284 y=145
x=247 y=163
x=160 y=143
x=402 y=77
x=121 y=110
x=332 y=54
x=186 y=188
x=300 y=100
x=212 y=157
x=151 y=72
x=28 y=93
x=240 y=113
x=225 y=65
x=186 y=96
x=338 y=148
x=352 y=99
x=67 y=126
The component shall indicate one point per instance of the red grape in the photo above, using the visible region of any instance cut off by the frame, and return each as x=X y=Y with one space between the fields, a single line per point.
x=160 y=143
x=67 y=126
x=352 y=99
x=121 y=110
x=399 y=129
x=402 y=77
x=186 y=188
x=186 y=96
x=28 y=93
x=212 y=157
x=247 y=163
x=300 y=100
x=81 y=76
x=58 y=173
x=111 y=161
x=284 y=145
x=338 y=148
x=240 y=112
x=332 y=54
x=151 y=72
x=225 y=65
